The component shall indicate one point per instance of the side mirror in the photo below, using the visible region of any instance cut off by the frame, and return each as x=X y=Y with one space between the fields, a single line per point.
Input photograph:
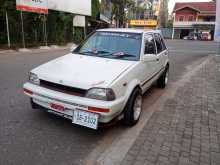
x=150 y=58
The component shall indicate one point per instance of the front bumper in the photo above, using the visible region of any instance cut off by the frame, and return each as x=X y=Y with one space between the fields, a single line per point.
x=44 y=97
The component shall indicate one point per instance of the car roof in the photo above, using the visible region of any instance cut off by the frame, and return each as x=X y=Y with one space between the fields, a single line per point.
x=129 y=30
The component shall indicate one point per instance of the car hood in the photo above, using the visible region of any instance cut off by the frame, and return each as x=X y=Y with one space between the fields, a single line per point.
x=82 y=71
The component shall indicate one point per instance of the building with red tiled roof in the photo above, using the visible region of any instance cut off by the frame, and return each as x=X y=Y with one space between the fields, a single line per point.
x=194 y=17
x=202 y=7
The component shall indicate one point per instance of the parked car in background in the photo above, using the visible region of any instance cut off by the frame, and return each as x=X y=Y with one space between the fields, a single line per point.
x=193 y=36
x=205 y=36
x=103 y=79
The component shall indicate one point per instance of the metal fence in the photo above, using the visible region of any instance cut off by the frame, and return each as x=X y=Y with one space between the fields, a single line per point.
x=167 y=32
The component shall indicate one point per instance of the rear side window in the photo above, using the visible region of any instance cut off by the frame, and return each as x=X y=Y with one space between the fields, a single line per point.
x=159 y=43
x=149 y=44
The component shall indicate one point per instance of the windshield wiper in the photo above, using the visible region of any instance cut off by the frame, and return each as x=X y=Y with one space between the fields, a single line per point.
x=124 y=55
x=92 y=52
x=102 y=53
x=118 y=55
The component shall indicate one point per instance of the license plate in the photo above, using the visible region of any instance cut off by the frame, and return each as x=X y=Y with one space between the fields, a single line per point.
x=86 y=119
x=56 y=107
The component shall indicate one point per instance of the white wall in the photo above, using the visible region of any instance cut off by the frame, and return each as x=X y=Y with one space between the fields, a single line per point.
x=217 y=24
x=81 y=7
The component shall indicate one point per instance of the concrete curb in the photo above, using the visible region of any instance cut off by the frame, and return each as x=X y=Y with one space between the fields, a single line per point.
x=36 y=50
x=40 y=48
x=45 y=47
x=24 y=50
x=6 y=51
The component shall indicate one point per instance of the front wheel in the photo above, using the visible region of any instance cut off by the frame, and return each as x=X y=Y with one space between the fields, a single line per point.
x=133 y=108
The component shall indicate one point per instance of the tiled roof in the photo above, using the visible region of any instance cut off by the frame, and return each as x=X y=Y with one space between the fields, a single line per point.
x=199 y=6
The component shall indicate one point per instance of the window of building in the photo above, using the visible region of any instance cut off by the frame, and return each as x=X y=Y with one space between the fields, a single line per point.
x=191 y=18
x=181 y=18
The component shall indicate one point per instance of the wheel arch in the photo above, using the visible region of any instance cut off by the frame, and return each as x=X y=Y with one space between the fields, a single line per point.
x=131 y=87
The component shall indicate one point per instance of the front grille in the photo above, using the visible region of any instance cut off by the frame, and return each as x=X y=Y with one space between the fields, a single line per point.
x=63 y=88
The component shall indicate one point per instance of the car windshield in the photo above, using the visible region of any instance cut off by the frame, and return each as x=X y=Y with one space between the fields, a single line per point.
x=114 y=45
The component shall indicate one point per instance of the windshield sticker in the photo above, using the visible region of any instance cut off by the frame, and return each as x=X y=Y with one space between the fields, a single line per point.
x=125 y=35
x=94 y=50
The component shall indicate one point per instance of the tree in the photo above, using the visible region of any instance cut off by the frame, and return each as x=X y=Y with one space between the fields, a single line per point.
x=118 y=11
x=9 y=7
x=6 y=5
x=163 y=15
x=95 y=9
x=59 y=26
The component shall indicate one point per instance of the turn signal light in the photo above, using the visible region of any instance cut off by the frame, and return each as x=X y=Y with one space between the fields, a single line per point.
x=27 y=91
x=94 y=109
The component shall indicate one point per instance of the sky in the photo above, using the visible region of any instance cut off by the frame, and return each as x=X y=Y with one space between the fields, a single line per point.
x=172 y=3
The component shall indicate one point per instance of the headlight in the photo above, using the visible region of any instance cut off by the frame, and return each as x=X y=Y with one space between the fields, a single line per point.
x=101 y=94
x=33 y=78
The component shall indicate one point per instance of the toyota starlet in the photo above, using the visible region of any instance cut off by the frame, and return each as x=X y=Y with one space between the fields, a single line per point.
x=103 y=78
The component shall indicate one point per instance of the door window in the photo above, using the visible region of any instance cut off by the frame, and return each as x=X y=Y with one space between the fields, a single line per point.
x=163 y=43
x=159 y=43
x=149 y=44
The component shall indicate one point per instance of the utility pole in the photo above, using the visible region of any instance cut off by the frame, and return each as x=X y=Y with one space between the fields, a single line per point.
x=45 y=30
x=22 y=29
x=173 y=33
x=8 y=33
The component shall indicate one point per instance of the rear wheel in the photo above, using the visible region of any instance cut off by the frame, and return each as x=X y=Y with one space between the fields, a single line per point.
x=133 y=108
x=164 y=78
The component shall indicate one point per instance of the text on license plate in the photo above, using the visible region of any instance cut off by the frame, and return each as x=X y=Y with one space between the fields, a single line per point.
x=86 y=119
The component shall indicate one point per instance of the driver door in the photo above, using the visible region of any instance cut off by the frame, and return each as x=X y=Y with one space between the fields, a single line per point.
x=150 y=66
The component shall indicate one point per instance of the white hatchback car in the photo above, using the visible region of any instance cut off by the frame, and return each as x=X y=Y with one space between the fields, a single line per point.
x=103 y=78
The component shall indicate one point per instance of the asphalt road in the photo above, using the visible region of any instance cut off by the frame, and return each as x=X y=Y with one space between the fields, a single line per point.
x=34 y=137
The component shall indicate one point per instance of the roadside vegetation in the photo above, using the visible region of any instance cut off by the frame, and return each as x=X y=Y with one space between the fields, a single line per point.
x=59 y=26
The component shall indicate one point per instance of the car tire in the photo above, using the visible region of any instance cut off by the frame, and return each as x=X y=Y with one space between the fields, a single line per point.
x=133 y=108
x=33 y=105
x=163 y=80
